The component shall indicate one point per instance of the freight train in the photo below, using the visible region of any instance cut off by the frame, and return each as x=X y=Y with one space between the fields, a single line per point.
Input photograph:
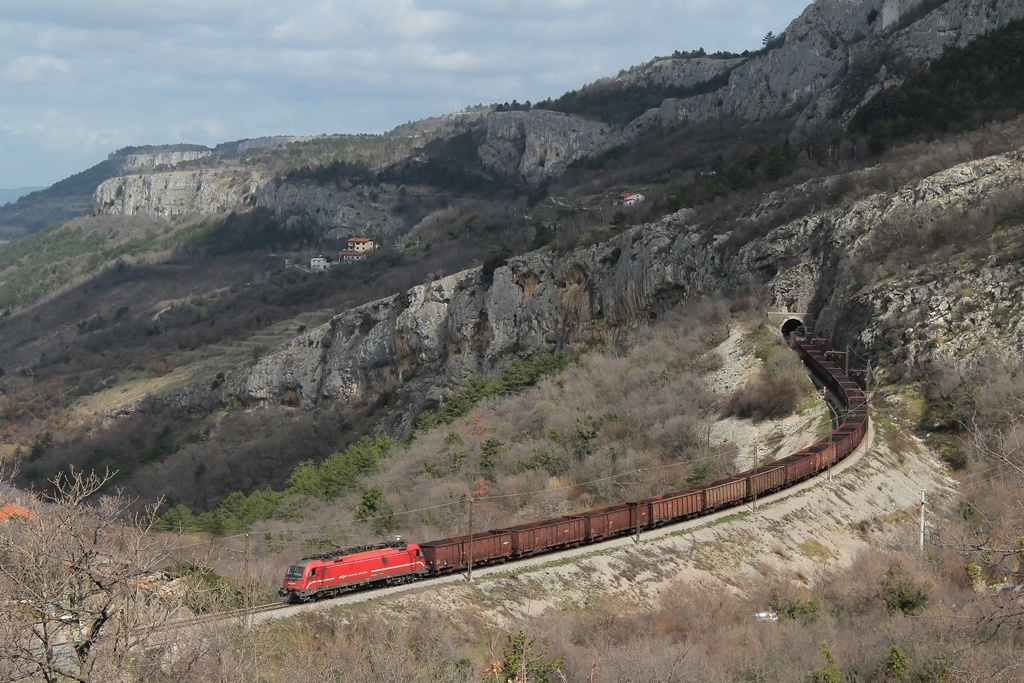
x=329 y=574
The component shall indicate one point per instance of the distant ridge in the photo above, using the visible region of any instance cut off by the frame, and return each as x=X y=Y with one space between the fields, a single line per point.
x=13 y=194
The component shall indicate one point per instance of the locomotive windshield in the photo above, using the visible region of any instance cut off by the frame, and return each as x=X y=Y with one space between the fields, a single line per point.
x=295 y=571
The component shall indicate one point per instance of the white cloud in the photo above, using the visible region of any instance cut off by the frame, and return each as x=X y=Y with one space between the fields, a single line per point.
x=56 y=130
x=36 y=68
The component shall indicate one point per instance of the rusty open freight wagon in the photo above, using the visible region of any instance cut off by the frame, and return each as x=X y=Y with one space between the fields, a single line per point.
x=765 y=479
x=725 y=492
x=615 y=520
x=547 y=534
x=452 y=554
x=672 y=507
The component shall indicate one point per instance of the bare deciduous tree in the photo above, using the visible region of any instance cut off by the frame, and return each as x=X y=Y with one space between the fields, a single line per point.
x=73 y=584
x=991 y=540
x=1002 y=549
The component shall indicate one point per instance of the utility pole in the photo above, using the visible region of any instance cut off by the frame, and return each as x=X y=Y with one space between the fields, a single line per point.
x=479 y=492
x=922 y=523
x=245 y=584
x=753 y=486
x=828 y=476
x=832 y=425
x=469 y=569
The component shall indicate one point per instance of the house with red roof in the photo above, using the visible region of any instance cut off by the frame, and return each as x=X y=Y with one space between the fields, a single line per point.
x=630 y=198
x=360 y=244
x=351 y=256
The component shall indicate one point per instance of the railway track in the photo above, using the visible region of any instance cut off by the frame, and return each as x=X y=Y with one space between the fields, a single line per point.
x=652 y=537
x=654 y=516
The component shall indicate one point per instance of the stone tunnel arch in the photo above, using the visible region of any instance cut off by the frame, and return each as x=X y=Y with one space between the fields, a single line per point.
x=791 y=321
x=793 y=324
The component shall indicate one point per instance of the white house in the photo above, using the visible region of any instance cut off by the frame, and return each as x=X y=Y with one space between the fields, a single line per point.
x=318 y=263
x=630 y=198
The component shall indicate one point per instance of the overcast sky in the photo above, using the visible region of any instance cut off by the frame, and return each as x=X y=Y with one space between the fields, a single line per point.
x=79 y=78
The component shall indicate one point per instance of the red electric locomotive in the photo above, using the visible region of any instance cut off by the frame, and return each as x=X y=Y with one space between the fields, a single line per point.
x=326 y=575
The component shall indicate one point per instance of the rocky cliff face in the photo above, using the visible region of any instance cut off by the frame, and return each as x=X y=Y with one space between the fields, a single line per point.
x=133 y=163
x=427 y=339
x=339 y=212
x=836 y=54
x=175 y=193
x=965 y=298
x=540 y=144
x=436 y=334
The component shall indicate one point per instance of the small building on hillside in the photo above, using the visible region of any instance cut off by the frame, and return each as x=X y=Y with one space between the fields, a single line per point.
x=630 y=198
x=360 y=244
x=318 y=263
x=351 y=256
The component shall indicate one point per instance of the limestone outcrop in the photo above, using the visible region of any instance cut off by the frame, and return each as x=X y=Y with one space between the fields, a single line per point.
x=539 y=144
x=338 y=213
x=134 y=163
x=175 y=193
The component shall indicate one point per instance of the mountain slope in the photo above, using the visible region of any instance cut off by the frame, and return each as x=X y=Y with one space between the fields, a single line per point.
x=217 y=319
x=812 y=266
